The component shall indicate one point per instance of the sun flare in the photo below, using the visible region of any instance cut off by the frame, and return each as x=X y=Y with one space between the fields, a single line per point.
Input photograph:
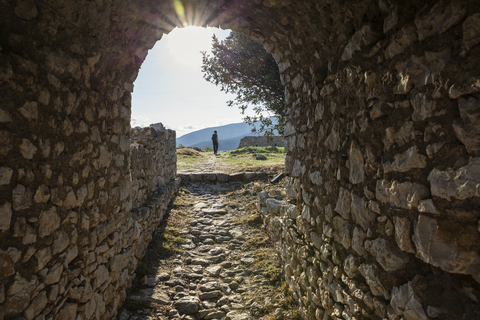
x=186 y=43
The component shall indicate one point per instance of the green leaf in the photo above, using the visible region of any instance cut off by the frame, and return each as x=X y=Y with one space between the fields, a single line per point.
x=243 y=67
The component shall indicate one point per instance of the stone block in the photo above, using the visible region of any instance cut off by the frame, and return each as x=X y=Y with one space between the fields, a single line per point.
x=361 y=213
x=406 y=161
x=332 y=141
x=261 y=175
x=237 y=177
x=467 y=128
x=22 y=197
x=196 y=177
x=343 y=206
x=419 y=71
x=355 y=157
x=358 y=239
x=42 y=194
x=18 y=295
x=398 y=136
x=5 y=117
x=387 y=254
x=471 y=32
x=48 y=222
x=30 y=235
x=37 y=305
x=422 y=108
x=350 y=265
x=403 y=234
x=209 y=176
x=461 y=184
x=43 y=256
x=250 y=175
x=222 y=177
x=5 y=216
x=369 y=272
x=316 y=177
x=341 y=231
x=5 y=175
x=405 y=302
x=187 y=305
x=434 y=148
x=404 y=39
x=363 y=37
x=440 y=18
x=68 y=311
x=440 y=244
x=427 y=206
x=275 y=207
x=29 y=110
x=27 y=149
x=6 y=265
x=404 y=195
x=54 y=274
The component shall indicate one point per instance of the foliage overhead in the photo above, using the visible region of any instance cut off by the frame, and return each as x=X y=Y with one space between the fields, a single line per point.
x=243 y=67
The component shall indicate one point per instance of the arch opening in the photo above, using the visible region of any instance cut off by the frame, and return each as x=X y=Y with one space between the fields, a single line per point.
x=382 y=151
x=170 y=87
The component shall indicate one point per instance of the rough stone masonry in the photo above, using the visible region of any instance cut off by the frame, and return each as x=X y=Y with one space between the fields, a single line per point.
x=382 y=139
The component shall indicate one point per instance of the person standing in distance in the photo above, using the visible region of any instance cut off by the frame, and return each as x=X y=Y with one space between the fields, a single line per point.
x=215 y=142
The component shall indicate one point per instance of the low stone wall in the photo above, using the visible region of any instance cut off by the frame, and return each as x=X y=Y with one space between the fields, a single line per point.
x=153 y=160
x=222 y=177
x=79 y=263
x=261 y=142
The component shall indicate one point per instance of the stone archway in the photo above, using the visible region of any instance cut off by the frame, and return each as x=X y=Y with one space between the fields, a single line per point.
x=382 y=140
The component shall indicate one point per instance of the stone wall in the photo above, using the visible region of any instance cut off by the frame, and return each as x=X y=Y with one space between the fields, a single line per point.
x=382 y=218
x=80 y=253
x=382 y=140
x=153 y=161
x=253 y=141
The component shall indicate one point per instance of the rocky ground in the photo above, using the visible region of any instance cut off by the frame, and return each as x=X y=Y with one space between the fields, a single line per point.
x=211 y=259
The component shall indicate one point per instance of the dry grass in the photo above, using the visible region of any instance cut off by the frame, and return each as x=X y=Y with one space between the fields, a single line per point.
x=190 y=152
x=240 y=160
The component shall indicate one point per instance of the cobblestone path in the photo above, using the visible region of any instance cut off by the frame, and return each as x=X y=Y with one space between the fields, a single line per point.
x=225 y=266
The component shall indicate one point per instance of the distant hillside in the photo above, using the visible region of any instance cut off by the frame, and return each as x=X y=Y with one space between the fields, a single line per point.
x=223 y=145
x=229 y=136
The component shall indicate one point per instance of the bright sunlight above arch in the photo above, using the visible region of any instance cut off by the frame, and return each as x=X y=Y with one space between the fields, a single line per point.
x=186 y=43
x=170 y=87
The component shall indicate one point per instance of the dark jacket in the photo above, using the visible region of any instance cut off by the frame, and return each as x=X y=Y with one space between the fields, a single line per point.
x=215 y=138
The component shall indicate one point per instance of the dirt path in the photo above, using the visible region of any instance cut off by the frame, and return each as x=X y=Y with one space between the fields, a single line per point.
x=224 y=267
x=207 y=163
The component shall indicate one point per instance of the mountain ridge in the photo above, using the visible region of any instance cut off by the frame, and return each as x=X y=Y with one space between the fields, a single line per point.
x=229 y=136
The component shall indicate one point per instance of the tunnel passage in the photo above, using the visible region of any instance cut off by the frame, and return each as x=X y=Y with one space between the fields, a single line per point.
x=383 y=146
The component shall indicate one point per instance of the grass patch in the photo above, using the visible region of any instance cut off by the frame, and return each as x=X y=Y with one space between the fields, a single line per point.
x=274 y=275
x=255 y=150
x=166 y=240
x=189 y=152
x=171 y=236
x=232 y=205
x=256 y=242
x=239 y=160
x=252 y=220
x=244 y=160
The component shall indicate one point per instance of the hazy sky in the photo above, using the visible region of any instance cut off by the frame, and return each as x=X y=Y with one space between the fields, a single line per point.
x=170 y=87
